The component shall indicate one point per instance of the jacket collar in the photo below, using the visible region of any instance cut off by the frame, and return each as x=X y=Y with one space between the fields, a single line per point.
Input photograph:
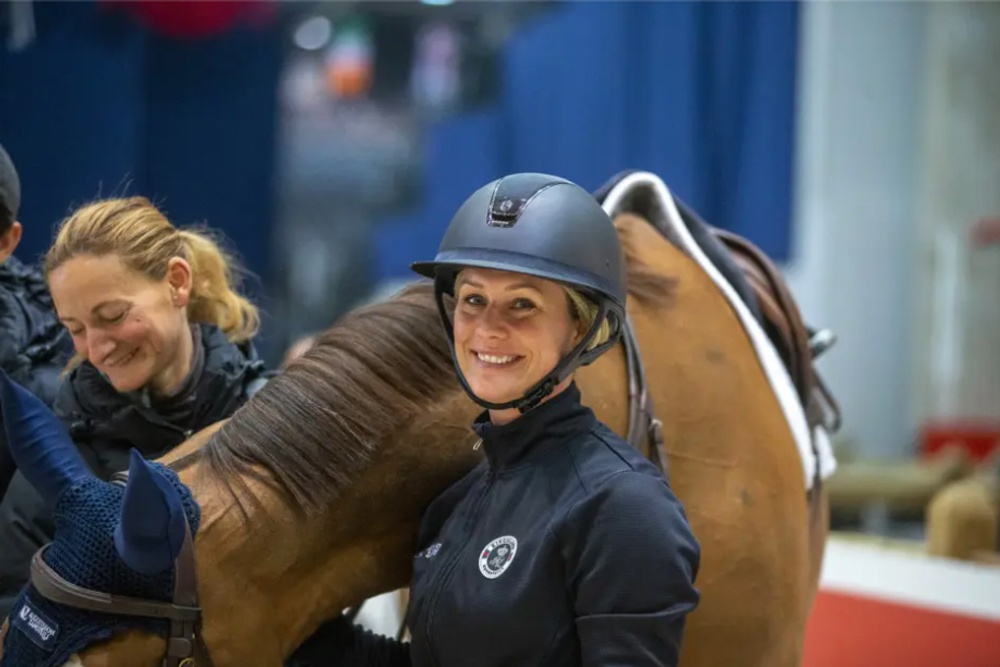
x=214 y=392
x=187 y=391
x=551 y=423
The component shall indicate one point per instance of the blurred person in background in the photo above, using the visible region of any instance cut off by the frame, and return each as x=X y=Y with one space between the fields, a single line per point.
x=164 y=348
x=34 y=346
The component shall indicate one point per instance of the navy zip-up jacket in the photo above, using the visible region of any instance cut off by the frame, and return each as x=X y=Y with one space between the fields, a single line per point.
x=564 y=548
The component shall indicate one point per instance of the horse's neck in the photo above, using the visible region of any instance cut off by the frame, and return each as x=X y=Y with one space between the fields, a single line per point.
x=295 y=572
x=261 y=576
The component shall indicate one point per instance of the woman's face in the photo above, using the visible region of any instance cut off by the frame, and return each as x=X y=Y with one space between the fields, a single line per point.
x=130 y=327
x=510 y=331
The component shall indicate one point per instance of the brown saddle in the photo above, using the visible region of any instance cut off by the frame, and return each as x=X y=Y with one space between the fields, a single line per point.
x=762 y=288
x=759 y=283
x=782 y=321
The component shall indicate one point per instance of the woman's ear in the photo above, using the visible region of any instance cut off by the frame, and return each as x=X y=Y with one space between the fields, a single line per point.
x=180 y=280
x=576 y=335
x=579 y=324
x=9 y=241
x=579 y=332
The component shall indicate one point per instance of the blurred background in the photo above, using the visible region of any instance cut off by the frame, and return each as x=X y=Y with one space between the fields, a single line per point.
x=857 y=143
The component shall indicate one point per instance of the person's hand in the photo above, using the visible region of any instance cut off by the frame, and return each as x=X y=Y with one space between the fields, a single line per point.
x=327 y=647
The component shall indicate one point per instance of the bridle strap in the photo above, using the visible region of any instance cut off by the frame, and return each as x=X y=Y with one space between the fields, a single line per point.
x=184 y=645
x=643 y=426
x=53 y=587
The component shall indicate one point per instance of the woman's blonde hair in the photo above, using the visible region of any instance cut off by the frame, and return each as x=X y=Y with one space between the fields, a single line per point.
x=585 y=312
x=135 y=231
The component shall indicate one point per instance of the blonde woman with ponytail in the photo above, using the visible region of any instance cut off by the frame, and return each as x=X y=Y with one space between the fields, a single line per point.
x=163 y=344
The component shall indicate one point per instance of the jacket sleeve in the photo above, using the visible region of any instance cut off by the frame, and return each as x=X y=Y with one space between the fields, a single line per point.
x=25 y=526
x=340 y=643
x=631 y=561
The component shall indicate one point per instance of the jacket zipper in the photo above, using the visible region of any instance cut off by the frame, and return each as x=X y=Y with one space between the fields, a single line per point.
x=87 y=424
x=449 y=567
x=154 y=419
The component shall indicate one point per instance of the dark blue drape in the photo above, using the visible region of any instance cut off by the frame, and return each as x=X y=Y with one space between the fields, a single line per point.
x=701 y=93
x=100 y=106
x=71 y=110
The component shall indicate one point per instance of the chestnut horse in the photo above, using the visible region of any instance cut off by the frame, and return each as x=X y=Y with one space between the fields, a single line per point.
x=311 y=494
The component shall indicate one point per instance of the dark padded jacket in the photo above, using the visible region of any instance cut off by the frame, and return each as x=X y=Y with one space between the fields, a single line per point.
x=34 y=346
x=564 y=548
x=106 y=425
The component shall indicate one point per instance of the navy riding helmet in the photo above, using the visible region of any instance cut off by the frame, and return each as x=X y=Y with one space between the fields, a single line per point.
x=543 y=226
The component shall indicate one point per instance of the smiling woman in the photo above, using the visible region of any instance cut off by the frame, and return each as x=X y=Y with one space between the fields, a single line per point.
x=126 y=283
x=163 y=349
x=511 y=329
x=588 y=537
x=131 y=327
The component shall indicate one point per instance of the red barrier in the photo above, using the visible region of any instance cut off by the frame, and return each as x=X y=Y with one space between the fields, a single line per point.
x=882 y=608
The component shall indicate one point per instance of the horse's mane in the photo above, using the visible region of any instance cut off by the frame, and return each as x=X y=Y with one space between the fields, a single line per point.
x=313 y=430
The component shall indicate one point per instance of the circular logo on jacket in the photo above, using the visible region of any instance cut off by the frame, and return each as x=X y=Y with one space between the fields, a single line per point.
x=497 y=556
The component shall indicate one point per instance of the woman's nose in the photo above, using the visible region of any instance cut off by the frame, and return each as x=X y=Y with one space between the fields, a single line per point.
x=493 y=321
x=98 y=345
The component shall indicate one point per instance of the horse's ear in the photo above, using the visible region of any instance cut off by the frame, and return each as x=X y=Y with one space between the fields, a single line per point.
x=151 y=530
x=39 y=444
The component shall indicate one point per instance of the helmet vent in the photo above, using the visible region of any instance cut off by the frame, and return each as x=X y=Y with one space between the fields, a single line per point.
x=504 y=211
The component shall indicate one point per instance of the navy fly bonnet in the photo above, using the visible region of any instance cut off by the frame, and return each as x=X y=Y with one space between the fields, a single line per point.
x=122 y=558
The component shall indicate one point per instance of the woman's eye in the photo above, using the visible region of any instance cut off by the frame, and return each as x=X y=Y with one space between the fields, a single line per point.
x=474 y=300
x=523 y=304
x=114 y=319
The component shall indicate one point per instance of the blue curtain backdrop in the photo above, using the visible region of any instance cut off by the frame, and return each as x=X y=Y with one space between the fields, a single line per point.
x=101 y=106
x=702 y=93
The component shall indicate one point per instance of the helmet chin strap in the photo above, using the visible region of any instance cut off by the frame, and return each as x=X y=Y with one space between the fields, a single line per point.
x=544 y=387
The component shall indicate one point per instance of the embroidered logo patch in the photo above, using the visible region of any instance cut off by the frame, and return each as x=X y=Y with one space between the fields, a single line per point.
x=41 y=630
x=497 y=556
x=430 y=551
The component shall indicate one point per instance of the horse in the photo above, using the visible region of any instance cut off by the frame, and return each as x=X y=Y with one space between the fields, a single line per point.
x=308 y=498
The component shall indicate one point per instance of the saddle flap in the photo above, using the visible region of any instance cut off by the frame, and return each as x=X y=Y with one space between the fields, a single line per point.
x=781 y=315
